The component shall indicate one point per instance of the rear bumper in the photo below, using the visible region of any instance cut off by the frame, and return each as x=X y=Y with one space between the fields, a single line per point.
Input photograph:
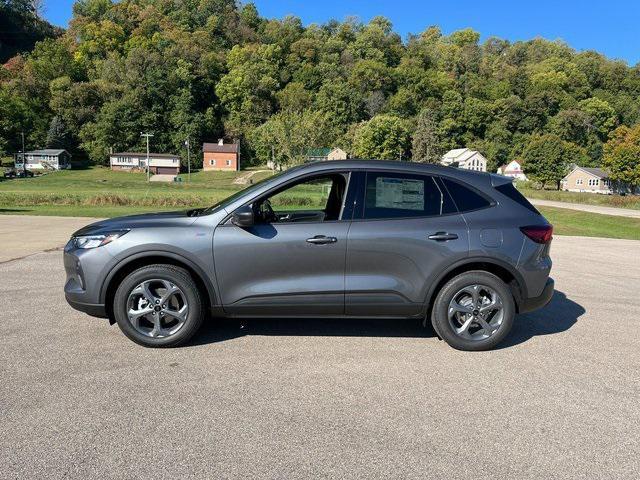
x=95 y=310
x=531 y=304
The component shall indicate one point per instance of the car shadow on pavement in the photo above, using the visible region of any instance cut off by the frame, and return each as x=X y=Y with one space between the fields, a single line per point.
x=559 y=315
x=226 y=329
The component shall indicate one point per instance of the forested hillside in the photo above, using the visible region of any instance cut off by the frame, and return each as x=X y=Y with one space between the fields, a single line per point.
x=206 y=69
x=21 y=28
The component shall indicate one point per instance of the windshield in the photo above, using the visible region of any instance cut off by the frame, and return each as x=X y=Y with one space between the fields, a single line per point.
x=222 y=203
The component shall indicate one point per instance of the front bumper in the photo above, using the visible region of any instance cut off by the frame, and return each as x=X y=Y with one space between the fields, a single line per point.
x=534 y=303
x=95 y=310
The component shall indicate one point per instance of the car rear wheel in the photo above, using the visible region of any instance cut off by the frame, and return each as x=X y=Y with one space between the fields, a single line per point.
x=473 y=311
x=158 y=306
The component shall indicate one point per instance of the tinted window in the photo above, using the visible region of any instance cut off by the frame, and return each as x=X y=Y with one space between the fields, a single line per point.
x=465 y=198
x=510 y=191
x=392 y=195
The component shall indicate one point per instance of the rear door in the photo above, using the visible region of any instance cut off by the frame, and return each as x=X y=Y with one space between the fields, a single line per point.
x=405 y=232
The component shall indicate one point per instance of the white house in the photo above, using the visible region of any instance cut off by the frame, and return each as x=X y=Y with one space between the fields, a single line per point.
x=465 y=158
x=159 y=163
x=47 y=159
x=513 y=170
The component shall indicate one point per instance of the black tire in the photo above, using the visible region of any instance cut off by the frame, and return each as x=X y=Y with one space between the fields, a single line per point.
x=440 y=311
x=178 y=276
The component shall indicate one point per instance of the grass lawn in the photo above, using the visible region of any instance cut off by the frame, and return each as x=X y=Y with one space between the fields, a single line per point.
x=100 y=192
x=574 y=222
x=628 y=201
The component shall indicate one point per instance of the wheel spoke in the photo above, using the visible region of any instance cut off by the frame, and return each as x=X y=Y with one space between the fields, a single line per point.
x=463 y=330
x=487 y=327
x=458 y=307
x=170 y=290
x=157 y=331
x=148 y=293
x=134 y=315
x=180 y=315
x=495 y=304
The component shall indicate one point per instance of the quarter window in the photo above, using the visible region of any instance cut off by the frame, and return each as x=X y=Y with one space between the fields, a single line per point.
x=465 y=198
x=391 y=195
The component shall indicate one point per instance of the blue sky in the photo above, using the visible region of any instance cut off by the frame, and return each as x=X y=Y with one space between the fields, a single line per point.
x=610 y=27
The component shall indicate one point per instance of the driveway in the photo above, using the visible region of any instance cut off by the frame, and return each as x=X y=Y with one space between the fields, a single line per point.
x=329 y=399
x=22 y=235
x=618 y=212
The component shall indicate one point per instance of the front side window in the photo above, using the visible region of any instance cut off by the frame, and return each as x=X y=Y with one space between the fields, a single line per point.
x=393 y=195
x=316 y=199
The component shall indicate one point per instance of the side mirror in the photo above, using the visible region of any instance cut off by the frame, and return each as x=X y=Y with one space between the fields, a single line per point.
x=243 y=217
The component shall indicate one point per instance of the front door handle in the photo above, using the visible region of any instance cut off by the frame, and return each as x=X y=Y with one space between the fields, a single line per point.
x=442 y=236
x=321 y=240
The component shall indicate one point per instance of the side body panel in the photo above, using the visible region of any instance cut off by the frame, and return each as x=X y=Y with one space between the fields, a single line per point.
x=271 y=269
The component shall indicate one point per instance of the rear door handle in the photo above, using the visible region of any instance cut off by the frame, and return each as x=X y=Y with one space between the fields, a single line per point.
x=321 y=240
x=442 y=236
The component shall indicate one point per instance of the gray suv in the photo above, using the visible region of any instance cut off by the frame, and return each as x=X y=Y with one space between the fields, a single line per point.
x=464 y=250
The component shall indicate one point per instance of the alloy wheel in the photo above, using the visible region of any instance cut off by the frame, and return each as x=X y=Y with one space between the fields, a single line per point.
x=476 y=312
x=157 y=308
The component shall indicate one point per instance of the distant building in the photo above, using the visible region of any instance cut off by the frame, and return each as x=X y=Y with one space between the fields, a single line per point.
x=513 y=170
x=159 y=163
x=221 y=156
x=465 y=158
x=47 y=159
x=593 y=180
x=320 y=154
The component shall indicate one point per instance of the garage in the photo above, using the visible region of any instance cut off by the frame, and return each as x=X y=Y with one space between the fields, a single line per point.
x=166 y=171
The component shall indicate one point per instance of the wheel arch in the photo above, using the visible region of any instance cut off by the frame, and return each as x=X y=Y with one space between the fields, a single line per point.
x=135 y=261
x=507 y=273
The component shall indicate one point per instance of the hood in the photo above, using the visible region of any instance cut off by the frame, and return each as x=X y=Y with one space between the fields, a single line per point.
x=161 y=219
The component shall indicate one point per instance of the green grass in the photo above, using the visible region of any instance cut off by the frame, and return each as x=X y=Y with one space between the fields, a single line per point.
x=575 y=222
x=100 y=192
x=80 y=192
x=628 y=201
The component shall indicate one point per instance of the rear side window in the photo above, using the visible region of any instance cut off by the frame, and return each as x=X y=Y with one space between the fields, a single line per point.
x=394 y=195
x=512 y=192
x=465 y=198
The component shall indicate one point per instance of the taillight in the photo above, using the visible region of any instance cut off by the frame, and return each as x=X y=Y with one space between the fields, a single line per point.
x=538 y=233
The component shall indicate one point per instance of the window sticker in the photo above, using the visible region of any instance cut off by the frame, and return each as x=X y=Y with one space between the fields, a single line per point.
x=405 y=194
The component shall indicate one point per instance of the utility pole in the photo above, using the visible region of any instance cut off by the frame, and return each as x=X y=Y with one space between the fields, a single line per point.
x=188 y=160
x=24 y=159
x=147 y=135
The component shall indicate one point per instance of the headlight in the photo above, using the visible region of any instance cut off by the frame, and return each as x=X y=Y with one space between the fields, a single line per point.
x=93 y=241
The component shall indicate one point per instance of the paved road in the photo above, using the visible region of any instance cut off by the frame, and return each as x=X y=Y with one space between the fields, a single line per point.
x=330 y=399
x=618 y=212
x=22 y=235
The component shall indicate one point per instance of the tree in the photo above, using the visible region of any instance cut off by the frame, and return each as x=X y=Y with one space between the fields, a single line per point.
x=58 y=135
x=547 y=157
x=287 y=136
x=622 y=155
x=425 y=144
x=382 y=137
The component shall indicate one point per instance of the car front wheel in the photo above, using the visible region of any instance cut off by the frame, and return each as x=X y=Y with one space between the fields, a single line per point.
x=158 y=306
x=473 y=311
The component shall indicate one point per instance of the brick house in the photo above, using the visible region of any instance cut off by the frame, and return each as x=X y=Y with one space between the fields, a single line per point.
x=221 y=156
x=159 y=163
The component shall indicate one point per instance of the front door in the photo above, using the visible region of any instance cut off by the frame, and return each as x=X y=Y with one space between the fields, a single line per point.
x=408 y=231
x=291 y=262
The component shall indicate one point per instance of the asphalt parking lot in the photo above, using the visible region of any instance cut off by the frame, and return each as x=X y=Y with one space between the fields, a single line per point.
x=327 y=399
